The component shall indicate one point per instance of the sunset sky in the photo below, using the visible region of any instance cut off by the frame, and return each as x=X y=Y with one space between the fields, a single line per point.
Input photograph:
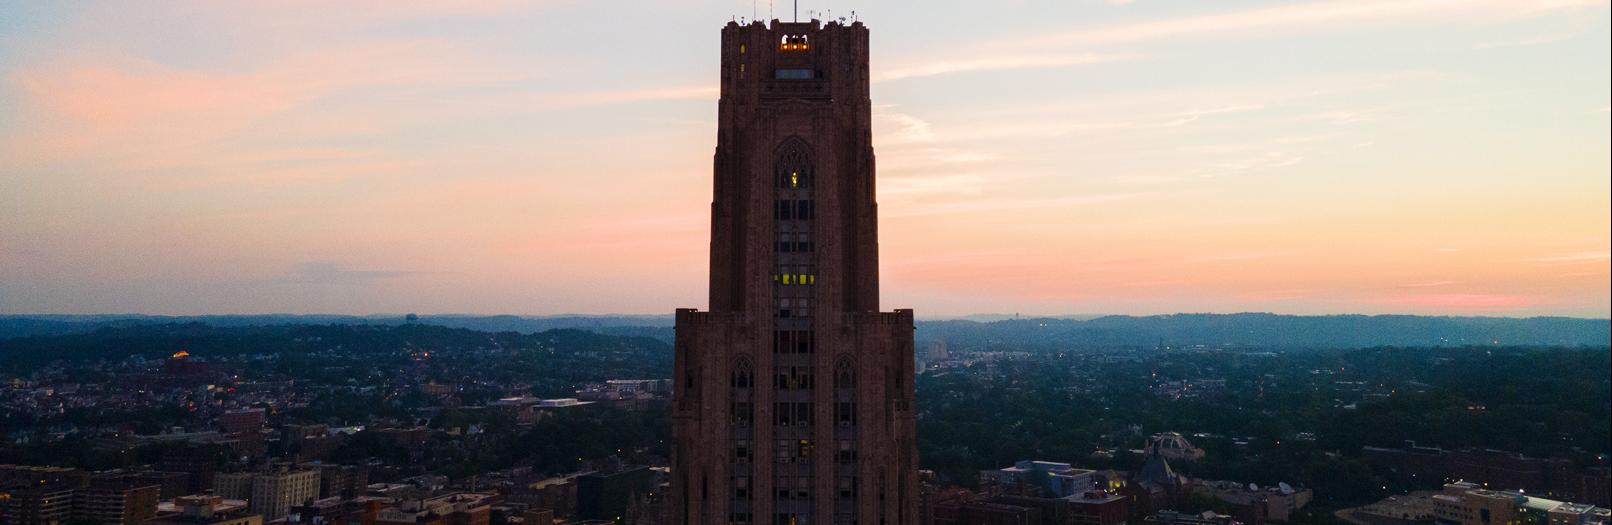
x=1043 y=157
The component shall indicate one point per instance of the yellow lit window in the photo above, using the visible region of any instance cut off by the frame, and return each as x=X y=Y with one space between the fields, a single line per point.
x=794 y=179
x=741 y=49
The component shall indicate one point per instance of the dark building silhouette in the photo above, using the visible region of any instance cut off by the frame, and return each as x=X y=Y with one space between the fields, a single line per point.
x=198 y=461
x=793 y=395
x=1422 y=466
x=604 y=495
x=41 y=504
x=170 y=485
x=31 y=495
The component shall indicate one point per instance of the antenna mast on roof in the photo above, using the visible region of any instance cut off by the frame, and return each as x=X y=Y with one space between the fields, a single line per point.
x=797 y=10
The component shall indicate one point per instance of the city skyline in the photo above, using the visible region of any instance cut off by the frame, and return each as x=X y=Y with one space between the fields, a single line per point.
x=1422 y=156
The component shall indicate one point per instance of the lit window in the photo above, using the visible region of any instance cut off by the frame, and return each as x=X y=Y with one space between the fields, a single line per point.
x=794 y=179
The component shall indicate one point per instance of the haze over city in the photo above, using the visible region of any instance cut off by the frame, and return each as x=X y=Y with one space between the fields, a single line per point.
x=1415 y=156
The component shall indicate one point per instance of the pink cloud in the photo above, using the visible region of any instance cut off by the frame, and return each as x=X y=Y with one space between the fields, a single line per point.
x=148 y=114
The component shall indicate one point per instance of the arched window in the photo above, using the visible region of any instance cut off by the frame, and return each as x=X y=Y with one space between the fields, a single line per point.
x=742 y=379
x=845 y=398
x=742 y=376
x=794 y=166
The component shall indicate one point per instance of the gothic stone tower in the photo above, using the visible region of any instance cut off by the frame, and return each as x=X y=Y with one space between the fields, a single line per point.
x=793 y=401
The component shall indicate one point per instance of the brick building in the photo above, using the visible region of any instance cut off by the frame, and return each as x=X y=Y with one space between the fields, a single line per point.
x=793 y=395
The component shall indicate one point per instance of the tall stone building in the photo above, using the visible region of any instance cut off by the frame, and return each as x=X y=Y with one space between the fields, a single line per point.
x=793 y=395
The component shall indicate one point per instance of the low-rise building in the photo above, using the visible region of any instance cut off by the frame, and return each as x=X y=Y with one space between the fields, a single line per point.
x=468 y=508
x=1277 y=503
x=1039 y=478
x=37 y=504
x=1095 y=507
x=272 y=493
x=116 y=498
x=1464 y=503
x=204 y=510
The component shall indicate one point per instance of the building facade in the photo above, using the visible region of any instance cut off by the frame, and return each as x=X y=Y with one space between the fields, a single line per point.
x=272 y=493
x=46 y=504
x=1464 y=503
x=117 y=498
x=205 y=510
x=793 y=395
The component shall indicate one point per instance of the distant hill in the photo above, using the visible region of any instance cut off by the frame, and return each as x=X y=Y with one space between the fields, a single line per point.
x=1246 y=329
x=641 y=325
x=1269 y=331
x=150 y=340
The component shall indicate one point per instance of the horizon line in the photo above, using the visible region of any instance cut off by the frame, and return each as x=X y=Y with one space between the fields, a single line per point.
x=962 y=317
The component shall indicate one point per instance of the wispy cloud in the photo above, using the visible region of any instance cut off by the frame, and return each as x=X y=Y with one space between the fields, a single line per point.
x=1295 y=17
x=1464 y=301
x=329 y=273
x=1276 y=295
x=955 y=184
x=552 y=101
x=1193 y=115
x=1428 y=284
x=1525 y=42
x=1005 y=204
x=1240 y=256
x=1584 y=257
x=1263 y=161
x=908 y=128
x=997 y=63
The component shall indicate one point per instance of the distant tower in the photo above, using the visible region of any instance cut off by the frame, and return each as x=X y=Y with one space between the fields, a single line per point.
x=793 y=401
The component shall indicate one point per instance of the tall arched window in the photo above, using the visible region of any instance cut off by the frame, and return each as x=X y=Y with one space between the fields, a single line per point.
x=845 y=473
x=794 y=165
x=742 y=380
x=845 y=396
x=741 y=375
